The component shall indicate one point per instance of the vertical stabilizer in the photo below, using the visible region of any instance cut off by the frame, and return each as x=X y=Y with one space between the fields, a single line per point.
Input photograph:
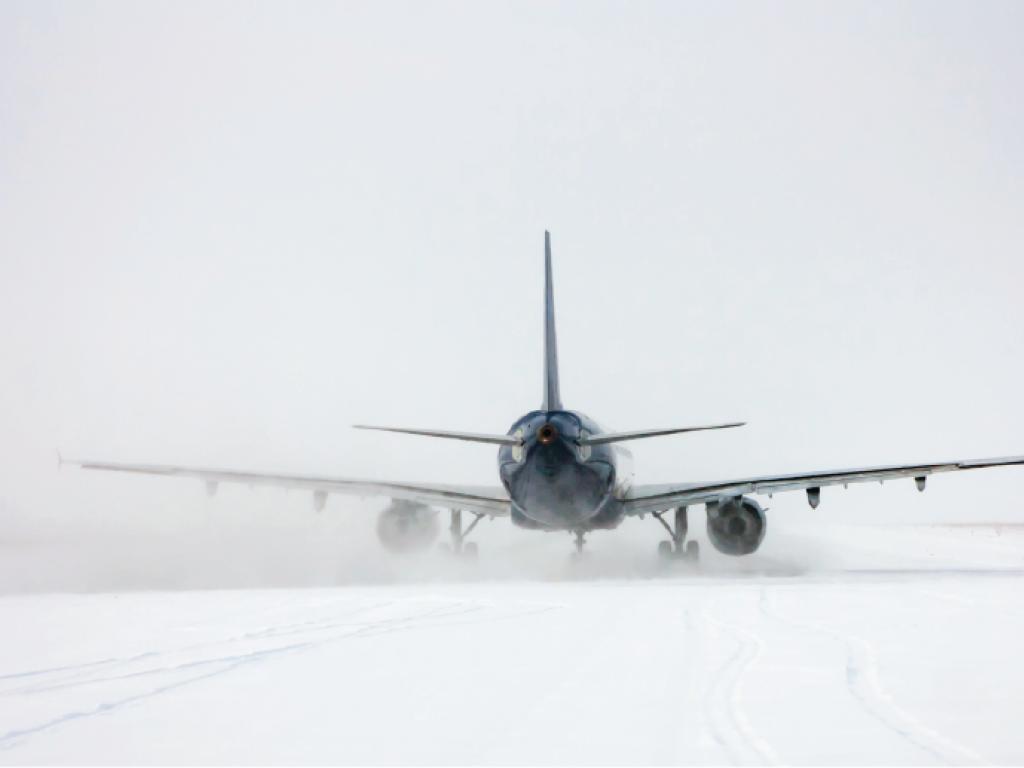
x=552 y=398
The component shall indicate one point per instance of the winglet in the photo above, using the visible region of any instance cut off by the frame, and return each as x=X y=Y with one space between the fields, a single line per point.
x=552 y=397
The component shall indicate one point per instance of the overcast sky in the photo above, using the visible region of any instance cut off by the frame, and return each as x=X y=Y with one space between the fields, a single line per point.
x=229 y=231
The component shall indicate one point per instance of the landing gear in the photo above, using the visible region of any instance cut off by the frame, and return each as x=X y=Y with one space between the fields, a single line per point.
x=579 y=554
x=678 y=548
x=459 y=545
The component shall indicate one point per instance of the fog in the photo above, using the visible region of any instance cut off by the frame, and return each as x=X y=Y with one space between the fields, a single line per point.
x=232 y=230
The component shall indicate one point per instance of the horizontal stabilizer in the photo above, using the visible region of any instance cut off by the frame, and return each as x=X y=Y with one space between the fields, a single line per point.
x=473 y=437
x=618 y=437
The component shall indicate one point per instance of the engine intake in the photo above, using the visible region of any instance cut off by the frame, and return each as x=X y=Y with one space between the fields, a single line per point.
x=406 y=526
x=736 y=525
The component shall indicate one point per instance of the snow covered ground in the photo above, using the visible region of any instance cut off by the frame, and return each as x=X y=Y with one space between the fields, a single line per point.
x=904 y=649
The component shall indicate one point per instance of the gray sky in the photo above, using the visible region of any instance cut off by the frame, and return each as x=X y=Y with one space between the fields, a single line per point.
x=229 y=231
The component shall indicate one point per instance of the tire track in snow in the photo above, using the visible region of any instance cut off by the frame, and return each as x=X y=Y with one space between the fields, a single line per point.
x=83 y=674
x=227 y=663
x=864 y=684
x=723 y=700
x=423 y=621
x=73 y=670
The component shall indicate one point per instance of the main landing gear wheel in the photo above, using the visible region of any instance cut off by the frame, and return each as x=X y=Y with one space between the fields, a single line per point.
x=677 y=548
x=668 y=552
x=468 y=551
x=459 y=546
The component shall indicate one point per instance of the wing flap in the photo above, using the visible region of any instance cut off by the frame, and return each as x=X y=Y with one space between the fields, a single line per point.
x=651 y=498
x=485 y=500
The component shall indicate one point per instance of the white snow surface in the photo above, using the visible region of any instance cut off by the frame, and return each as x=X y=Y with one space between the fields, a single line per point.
x=905 y=648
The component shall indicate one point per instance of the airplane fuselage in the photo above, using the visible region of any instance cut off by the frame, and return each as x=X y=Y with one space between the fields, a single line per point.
x=554 y=482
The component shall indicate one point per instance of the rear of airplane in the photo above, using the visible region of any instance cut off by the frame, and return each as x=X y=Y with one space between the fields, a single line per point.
x=551 y=401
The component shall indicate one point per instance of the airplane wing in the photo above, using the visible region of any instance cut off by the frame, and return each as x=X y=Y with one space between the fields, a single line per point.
x=653 y=498
x=490 y=501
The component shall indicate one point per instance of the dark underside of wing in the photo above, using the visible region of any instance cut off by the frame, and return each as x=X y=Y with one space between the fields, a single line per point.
x=652 y=498
x=484 y=500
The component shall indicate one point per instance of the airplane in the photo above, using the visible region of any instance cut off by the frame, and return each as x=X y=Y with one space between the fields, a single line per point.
x=560 y=471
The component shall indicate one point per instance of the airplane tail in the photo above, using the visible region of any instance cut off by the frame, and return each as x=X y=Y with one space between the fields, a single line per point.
x=552 y=398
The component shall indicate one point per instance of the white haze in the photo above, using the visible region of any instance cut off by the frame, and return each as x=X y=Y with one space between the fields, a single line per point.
x=228 y=231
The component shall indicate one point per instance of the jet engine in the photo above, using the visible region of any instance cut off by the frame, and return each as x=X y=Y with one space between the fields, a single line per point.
x=406 y=526
x=736 y=525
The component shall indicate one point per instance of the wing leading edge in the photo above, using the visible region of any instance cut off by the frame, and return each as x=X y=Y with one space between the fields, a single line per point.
x=489 y=501
x=653 y=498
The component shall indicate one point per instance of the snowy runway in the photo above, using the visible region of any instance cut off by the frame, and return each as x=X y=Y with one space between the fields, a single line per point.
x=917 y=666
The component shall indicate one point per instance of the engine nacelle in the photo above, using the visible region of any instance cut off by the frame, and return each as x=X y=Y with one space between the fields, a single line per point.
x=736 y=525
x=406 y=526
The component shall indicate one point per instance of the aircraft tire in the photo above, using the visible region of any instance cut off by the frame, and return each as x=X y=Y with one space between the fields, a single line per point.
x=692 y=551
